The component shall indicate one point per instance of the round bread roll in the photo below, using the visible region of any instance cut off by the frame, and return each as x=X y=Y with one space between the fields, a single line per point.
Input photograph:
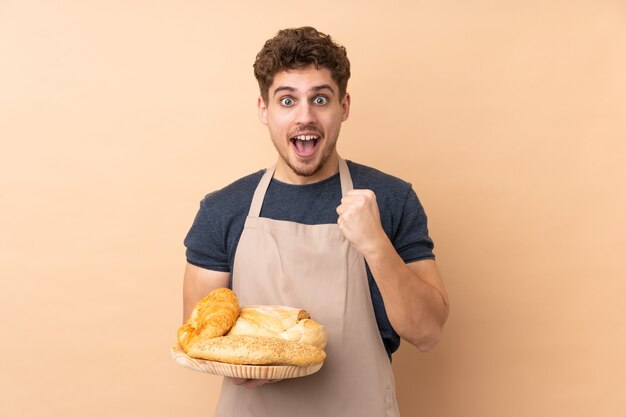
x=212 y=316
x=288 y=323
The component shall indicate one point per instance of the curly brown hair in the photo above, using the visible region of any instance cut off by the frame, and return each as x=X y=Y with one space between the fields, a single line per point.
x=299 y=48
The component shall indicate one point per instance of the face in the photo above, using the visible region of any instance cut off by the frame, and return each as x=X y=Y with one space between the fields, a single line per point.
x=304 y=114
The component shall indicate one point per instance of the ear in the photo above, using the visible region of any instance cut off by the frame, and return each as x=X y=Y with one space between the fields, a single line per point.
x=262 y=107
x=345 y=107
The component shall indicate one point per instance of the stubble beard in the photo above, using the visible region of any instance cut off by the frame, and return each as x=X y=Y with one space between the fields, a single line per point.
x=310 y=168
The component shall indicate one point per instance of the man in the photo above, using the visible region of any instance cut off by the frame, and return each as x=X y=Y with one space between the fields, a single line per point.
x=341 y=240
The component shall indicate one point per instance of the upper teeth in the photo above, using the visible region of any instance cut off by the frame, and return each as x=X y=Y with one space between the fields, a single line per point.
x=306 y=137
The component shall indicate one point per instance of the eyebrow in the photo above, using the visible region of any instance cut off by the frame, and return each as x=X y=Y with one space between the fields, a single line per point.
x=316 y=89
x=283 y=88
x=323 y=87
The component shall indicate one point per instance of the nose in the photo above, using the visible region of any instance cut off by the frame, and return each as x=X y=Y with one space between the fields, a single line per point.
x=305 y=114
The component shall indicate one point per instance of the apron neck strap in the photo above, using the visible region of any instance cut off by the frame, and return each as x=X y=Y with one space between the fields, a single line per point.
x=344 y=177
x=261 y=189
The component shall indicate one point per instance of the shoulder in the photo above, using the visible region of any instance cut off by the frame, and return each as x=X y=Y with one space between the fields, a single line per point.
x=384 y=185
x=218 y=224
x=235 y=194
x=223 y=208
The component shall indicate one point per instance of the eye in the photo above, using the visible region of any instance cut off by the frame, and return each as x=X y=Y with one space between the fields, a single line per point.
x=320 y=100
x=286 y=101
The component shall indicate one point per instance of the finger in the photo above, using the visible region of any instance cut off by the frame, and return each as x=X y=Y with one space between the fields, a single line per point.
x=238 y=381
x=343 y=208
x=352 y=200
x=360 y=192
x=253 y=383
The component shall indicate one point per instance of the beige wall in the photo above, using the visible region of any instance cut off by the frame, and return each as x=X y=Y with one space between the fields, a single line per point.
x=116 y=117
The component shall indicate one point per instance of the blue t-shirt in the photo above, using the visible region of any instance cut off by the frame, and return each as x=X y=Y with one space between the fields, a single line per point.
x=212 y=240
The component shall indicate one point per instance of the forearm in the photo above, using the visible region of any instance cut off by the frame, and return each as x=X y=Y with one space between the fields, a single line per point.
x=414 y=297
x=197 y=283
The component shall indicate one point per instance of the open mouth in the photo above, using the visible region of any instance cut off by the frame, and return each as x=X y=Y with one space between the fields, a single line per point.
x=305 y=145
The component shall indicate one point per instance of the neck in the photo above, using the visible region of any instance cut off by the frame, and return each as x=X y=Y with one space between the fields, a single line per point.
x=284 y=173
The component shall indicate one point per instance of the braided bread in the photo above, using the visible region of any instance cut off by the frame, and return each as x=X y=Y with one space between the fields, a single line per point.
x=288 y=323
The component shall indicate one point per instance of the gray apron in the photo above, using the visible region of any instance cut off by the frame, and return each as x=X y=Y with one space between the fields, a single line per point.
x=315 y=268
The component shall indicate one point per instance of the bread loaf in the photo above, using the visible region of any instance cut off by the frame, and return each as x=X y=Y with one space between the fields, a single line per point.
x=220 y=330
x=288 y=323
x=256 y=350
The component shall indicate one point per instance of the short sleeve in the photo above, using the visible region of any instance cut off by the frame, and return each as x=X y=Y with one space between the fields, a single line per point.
x=411 y=238
x=205 y=242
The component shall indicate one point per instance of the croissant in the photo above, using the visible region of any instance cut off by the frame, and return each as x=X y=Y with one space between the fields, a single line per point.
x=212 y=316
